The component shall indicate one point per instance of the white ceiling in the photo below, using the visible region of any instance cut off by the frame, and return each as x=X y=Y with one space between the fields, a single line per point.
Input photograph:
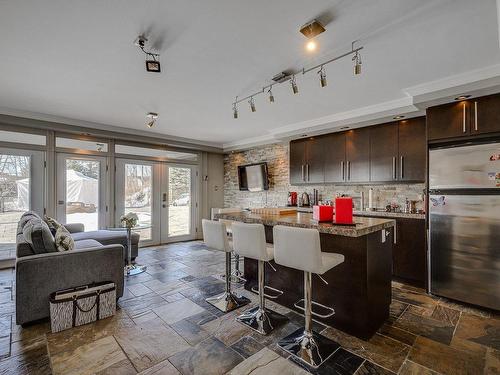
x=72 y=59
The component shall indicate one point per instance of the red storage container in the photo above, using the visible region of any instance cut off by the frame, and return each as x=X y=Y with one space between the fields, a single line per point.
x=343 y=210
x=323 y=213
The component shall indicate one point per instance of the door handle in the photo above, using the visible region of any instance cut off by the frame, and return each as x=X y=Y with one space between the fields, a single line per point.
x=60 y=202
x=393 y=167
x=303 y=179
x=463 y=117
x=307 y=171
x=342 y=170
x=401 y=167
x=348 y=170
x=475 y=116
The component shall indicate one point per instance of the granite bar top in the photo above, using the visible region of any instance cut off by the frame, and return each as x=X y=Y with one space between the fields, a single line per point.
x=402 y=215
x=364 y=225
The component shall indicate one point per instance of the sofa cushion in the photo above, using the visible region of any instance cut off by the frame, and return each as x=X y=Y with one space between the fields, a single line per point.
x=63 y=239
x=107 y=237
x=27 y=216
x=37 y=234
x=86 y=244
x=52 y=223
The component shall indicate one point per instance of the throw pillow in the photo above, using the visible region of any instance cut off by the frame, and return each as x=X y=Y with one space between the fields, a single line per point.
x=52 y=223
x=64 y=241
x=38 y=235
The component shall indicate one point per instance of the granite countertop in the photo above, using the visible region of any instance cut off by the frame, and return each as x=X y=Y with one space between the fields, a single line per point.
x=403 y=215
x=364 y=225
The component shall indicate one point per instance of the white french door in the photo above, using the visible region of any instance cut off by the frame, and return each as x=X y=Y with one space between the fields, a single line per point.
x=81 y=190
x=163 y=196
x=22 y=186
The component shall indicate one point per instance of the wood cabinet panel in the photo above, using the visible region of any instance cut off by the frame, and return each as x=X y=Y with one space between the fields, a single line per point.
x=358 y=155
x=384 y=152
x=297 y=161
x=485 y=115
x=315 y=162
x=334 y=157
x=448 y=121
x=412 y=150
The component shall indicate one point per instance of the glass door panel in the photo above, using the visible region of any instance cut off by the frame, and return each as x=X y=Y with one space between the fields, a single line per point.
x=138 y=195
x=81 y=194
x=179 y=201
x=19 y=172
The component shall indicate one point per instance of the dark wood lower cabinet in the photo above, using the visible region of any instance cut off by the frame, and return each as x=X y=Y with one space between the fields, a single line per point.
x=409 y=256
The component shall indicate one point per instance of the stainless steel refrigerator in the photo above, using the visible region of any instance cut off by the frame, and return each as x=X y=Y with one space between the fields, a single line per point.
x=464 y=223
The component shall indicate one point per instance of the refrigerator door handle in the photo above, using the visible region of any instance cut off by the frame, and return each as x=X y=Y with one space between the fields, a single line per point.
x=475 y=115
x=463 y=117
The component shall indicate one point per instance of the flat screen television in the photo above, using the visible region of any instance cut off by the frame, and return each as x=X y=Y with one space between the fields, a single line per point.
x=253 y=177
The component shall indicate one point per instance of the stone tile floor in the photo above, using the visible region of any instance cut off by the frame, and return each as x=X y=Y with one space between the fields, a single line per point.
x=164 y=326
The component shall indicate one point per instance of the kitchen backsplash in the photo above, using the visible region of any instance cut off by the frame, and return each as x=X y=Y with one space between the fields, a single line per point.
x=276 y=156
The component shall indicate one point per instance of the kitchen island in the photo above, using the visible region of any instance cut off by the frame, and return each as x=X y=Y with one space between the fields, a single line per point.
x=359 y=289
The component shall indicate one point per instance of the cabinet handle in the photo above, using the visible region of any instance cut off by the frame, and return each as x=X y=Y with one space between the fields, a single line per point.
x=348 y=170
x=463 y=117
x=342 y=170
x=475 y=116
x=303 y=178
x=393 y=167
x=401 y=167
x=307 y=171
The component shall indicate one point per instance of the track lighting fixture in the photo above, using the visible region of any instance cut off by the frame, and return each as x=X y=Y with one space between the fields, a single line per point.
x=322 y=77
x=152 y=59
x=291 y=76
x=151 y=116
x=357 y=60
x=295 y=89
x=252 y=104
x=271 y=96
x=235 y=111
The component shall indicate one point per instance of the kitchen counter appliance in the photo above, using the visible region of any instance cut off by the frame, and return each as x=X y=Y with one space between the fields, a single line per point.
x=464 y=223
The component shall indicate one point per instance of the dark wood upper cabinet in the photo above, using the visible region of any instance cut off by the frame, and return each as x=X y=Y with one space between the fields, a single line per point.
x=384 y=152
x=358 y=155
x=315 y=162
x=449 y=120
x=334 y=157
x=297 y=161
x=485 y=114
x=306 y=161
x=412 y=149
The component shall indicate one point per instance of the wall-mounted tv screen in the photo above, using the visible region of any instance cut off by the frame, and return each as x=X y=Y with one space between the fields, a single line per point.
x=253 y=177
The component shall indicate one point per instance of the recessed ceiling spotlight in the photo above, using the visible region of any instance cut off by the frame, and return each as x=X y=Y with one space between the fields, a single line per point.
x=398 y=117
x=462 y=97
x=344 y=128
x=151 y=116
x=311 y=46
x=303 y=135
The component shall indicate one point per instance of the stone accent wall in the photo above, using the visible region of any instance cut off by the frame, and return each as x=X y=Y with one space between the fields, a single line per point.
x=276 y=156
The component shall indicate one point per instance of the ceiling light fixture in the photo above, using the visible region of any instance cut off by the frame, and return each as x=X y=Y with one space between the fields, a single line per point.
x=152 y=59
x=295 y=88
x=462 y=97
x=291 y=75
x=252 y=104
x=235 y=109
x=357 y=60
x=271 y=96
x=151 y=116
x=311 y=46
x=344 y=128
x=398 y=117
x=322 y=77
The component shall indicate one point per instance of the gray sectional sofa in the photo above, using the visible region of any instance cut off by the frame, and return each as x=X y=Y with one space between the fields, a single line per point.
x=41 y=269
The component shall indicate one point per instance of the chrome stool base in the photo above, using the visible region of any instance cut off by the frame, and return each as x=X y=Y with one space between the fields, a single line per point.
x=262 y=320
x=227 y=301
x=311 y=348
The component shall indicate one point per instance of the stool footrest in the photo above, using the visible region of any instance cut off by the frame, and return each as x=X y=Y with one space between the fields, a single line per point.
x=278 y=292
x=299 y=306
